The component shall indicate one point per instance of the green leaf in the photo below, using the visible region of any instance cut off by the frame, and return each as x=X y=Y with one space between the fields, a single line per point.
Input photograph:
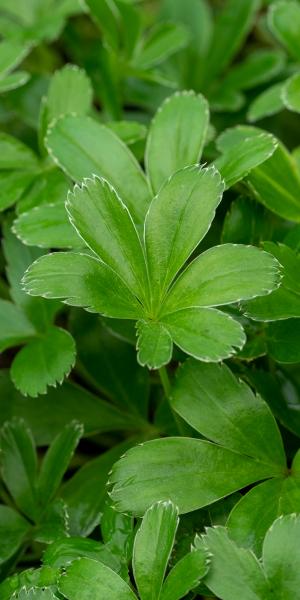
x=69 y=91
x=223 y=275
x=15 y=327
x=245 y=222
x=243 y=150
x=86 y=578
x=46 y=226
x=281 y=557
x=258 y=67
x=185 y=575
x=284 y=302
x=177 y=220
x=19 y=465
x=81 y=280
x=163 y=40
x=65 y=550
x=56 y=461
x=152 y=548
x=268 y=103
x=154 y=344
x=196 y=16
x=284 y=22
x=225 y=410
x=276 y=184
x=50 y=186
x=191 y=473
x=283 y=341
x=16 y=155
x=234 y=572
x=176 y=136
x=252 y=516
x=13 y=532
x=205 y=333
x=104 y=223
x=85 y=493
x=44 y=361
x=117 y=533
x=83 y=147
x=291 y=93
x=232 y=25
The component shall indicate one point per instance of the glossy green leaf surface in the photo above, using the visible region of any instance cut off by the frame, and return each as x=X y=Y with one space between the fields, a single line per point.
x=281 y=555
x=185 y=575
x=152 y=548
x=192 y=473
x=176 y=136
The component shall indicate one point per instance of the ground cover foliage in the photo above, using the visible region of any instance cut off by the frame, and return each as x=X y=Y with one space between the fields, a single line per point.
x=149 y=299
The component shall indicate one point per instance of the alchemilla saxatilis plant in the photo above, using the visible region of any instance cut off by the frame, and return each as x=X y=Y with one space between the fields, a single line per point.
x=149 y=300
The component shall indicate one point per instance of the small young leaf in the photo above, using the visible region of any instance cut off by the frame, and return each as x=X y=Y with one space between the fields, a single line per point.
x=56 y=461
x=185 y=575
x=81 y=280
x=154 y=344
x=225 y=410
x=83 y=147
x=176 y=136
x=205 y=333
x=86 y=578
x=104 y=223
x=152 y=548
x=223 y=275
x=192 y=473
x=178 y=218
x=19 y=465
x=44 y=361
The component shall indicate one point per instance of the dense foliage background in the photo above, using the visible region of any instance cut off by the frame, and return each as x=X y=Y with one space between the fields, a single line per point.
x=207 y=408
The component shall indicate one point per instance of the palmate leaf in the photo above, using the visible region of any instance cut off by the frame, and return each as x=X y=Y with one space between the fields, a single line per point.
x=176 y=136
x=133 y=277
